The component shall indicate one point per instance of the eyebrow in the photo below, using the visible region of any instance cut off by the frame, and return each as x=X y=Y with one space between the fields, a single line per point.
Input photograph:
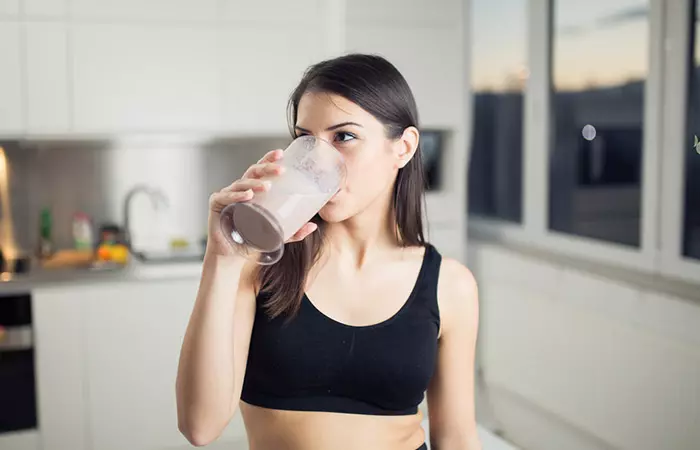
x=331 y=128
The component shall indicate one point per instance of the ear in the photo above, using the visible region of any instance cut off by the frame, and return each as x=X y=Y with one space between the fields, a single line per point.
x=407 y=144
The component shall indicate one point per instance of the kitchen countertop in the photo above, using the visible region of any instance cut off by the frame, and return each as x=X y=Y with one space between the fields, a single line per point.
x=134 y=272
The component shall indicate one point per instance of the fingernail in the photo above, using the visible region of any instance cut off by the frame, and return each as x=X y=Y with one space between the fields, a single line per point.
x=267 y=184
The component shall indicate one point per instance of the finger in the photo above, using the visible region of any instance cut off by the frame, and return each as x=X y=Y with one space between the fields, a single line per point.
x=303 y=232
x=220 y=199
x=247 y=183
x=274 y=155
x=263 y=170
x=251 y=183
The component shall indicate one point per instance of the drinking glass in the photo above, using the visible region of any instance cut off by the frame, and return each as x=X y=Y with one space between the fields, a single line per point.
x=258 y=228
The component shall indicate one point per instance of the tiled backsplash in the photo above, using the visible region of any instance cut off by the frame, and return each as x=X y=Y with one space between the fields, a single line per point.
x=95 y=176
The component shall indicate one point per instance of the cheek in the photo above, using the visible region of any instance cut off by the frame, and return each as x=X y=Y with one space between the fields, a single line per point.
x=367 y=177
x=368 y=173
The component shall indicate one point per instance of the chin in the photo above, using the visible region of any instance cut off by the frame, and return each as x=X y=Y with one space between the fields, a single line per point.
x=332 y=212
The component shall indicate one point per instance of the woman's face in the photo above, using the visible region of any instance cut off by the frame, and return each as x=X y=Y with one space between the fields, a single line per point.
x=372 y=159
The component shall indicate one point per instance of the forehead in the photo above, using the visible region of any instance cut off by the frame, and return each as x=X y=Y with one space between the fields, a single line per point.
x=323 y=109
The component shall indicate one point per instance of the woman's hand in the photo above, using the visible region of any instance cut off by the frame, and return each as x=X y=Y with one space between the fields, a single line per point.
x=255 y=179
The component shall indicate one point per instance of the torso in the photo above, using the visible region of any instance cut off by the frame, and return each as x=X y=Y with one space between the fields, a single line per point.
x=350 y=369
x=269 y=429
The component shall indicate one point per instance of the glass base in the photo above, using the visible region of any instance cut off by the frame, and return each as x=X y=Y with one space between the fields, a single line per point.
x=253 y=231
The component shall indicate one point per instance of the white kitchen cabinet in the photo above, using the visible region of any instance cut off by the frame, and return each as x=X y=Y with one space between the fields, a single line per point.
x=133 y=337
x=296 y=13
x=46 y=8
x=107 y=357
x=151 y=10
x=132 y=78
x=9 y=7
x=133 y=334
x=48 y=109
x=405 y=12
x=60 y=359
x=429 y=58
x=261 y=67
x=11 y=84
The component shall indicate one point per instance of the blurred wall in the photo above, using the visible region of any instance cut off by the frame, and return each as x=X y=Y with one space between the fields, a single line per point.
x=577 y=358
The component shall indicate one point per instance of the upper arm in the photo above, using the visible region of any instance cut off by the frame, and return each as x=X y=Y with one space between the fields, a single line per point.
x=451 y=390
x=243 y=320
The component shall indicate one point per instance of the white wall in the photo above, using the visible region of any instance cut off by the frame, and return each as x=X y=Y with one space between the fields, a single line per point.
x=573 y=360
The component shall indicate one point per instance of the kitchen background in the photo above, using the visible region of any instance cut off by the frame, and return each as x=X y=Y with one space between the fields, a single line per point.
x=564 y=171
x=95 y=177
x=129 y=114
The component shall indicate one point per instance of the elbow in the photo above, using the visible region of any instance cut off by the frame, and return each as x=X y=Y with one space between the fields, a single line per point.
x=199 y=435
x=201 y=423
x=200 y=431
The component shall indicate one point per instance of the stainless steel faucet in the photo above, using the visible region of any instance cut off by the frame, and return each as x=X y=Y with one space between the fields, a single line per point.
x=158 y=198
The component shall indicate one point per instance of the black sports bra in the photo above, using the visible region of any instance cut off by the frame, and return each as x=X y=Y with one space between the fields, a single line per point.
x=314 y=363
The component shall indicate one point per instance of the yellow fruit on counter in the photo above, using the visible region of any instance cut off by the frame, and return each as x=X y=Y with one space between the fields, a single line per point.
x=120 y=254
x=116 y=253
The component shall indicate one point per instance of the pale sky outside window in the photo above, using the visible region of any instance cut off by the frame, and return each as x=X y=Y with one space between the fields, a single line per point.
x=597 y=43
x=500 y=44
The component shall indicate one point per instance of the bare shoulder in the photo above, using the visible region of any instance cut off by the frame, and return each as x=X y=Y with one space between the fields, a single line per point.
x=458 y=297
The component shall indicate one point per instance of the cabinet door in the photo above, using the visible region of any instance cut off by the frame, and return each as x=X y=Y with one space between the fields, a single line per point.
x=11 y=86
x=267 y=11
x=45 y=8
x=134 y=332
x=259 y=77
x=408 y=13
x=155 y=10
x=145 y=78
x=47 y=78
x=60 y=360
x=9 y=8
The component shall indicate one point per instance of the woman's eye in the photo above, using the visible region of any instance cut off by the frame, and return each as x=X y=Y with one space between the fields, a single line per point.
x=343 y=136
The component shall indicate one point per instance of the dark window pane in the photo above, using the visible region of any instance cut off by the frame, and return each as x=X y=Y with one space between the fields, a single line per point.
x=599 y=63
x=498 y=79
x=691 y=225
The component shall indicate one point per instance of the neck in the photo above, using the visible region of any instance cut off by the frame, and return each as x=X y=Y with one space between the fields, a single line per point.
x=365 y=234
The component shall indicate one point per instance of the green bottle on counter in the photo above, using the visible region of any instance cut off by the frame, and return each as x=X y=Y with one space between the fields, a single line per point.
x=45 y=242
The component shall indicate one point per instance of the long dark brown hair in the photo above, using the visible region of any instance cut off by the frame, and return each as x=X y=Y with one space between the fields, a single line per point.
x=375 y=85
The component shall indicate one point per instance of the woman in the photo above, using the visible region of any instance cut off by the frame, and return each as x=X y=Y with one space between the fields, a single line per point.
x=334 y=346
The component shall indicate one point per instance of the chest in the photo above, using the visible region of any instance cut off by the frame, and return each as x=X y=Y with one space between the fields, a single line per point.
x=364 y=299
x=315 y=355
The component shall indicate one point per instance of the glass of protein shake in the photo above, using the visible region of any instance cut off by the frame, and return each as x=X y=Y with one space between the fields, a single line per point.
x=259 y=228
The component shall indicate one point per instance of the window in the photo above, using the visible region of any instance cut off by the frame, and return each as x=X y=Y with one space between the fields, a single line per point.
x=605 y=95
x=691 y=210
x=599 y=68
x=499 y=74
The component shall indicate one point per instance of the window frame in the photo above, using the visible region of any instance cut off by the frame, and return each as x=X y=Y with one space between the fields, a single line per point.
x=662 y=188
x=675 y=115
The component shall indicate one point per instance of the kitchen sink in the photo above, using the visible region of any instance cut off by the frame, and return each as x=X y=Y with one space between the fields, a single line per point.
x=166 y=264
x=168 y=257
